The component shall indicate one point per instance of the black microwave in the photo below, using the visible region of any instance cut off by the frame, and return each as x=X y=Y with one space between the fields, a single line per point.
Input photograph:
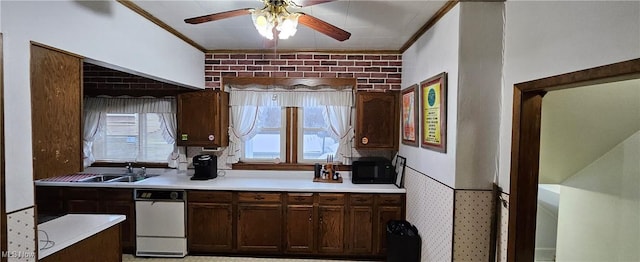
x=373 y=170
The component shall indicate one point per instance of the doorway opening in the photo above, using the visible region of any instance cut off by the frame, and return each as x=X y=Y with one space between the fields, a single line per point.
x=525 y=148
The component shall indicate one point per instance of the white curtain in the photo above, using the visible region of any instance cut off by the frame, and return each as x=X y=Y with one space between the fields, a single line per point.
x=245 y=102
x=169 y=128
x=241 y=128
x=338 y=118
x=95 y=109
x=89 y=134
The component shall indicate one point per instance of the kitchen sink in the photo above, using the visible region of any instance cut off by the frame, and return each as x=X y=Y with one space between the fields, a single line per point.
x=108 y=178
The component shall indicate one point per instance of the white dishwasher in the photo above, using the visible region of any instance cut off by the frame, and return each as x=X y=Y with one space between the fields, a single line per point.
x=160 y=223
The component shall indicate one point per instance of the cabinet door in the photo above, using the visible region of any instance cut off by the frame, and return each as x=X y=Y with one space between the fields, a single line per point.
x=377 y=120
x=203 y=118
x=56 y=112
x=384 y=214
x=127 y=208
x=331 y=229
x=82 y=206
x=210 y=227
x=361 y=240
x=259 y=227
x=299 y=229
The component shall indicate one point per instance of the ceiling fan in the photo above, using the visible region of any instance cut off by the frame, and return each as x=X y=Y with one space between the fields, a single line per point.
x=275 y=20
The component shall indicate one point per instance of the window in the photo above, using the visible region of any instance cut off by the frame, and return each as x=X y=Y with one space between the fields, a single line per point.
x=269 y=144
x=317 y=142
x=131 y=138
x=289 y=125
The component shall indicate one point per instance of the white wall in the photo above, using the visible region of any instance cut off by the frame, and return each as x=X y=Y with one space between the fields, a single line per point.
x=104 y=31
x=547 y=221
x=479 y=87
x=600 y=206
x=546 y=38
x=435 y=52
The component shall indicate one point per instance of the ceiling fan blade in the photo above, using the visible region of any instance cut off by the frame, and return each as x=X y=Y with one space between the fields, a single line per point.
x=304 y=3
x=218 y=16
x=323 y=27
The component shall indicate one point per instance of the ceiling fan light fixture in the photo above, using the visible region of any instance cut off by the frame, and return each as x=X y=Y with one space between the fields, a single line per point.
x=263 y=21
x=288 y=26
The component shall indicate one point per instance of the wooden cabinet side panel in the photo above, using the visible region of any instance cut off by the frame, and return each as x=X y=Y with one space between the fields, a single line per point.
x=56 y=112
x=103 y=246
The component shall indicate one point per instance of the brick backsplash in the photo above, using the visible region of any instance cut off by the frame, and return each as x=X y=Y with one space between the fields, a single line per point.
x=373 y=71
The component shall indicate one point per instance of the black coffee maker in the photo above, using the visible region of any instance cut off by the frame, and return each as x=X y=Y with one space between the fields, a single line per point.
x=206 y=167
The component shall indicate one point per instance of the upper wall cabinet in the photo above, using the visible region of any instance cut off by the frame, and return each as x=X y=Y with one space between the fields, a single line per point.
x=56 y=112
x=203 y=118
x=377 y=120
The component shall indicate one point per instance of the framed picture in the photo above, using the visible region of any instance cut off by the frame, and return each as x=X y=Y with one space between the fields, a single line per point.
x=433 y=104
x=400 y=163
x=410 y=116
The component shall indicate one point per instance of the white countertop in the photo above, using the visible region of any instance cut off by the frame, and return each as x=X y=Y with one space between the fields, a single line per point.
x=236 y=180
x=69 y=229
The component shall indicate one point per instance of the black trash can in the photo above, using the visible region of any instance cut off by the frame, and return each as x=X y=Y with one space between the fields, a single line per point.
x=403 y=242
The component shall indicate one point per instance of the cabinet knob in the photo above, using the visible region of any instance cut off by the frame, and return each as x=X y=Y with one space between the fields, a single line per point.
x=365 y=140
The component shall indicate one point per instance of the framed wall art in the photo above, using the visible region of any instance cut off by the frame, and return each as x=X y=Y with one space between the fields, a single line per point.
x=410 y=116
x=433 y=105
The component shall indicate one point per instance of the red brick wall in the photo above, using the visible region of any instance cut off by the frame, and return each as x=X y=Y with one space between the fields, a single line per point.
x=377 y=71
x=98 y=80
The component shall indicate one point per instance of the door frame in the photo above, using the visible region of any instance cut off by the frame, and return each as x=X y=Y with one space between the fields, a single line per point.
x=3 y=210
x=525 y=147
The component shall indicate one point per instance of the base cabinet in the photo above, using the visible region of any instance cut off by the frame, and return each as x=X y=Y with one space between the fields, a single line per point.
x=91 y=200
x=259 y=227
x=299 y=229
x=210 y=224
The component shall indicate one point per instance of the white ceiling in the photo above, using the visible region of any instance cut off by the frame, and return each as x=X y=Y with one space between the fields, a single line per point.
x=373 y=24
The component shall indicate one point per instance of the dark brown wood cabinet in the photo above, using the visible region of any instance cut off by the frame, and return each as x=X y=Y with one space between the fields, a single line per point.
x=300 y=223
x=388 y=207
x=361 y=216
x=210 y=221
x=377 y=120
x=331 y=226
x=203 y=118
x=91 y=200
x=259 y=222
x=56 y=112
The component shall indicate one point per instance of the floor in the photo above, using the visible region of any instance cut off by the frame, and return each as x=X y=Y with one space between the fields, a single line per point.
x=131 y=258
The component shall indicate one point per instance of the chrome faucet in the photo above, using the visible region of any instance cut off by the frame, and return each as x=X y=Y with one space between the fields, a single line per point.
x=129 y=167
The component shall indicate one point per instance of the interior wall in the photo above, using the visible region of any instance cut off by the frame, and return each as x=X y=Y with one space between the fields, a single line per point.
x=574 y=121
x=479 y=87
x=600 y=208
x=436 y=52
x=100 y=30
x=573 y=35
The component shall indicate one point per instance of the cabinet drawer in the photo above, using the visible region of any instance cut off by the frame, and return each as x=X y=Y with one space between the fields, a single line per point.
x=331 y=199
x=300 y=198
x=209 y=196
x=258 y=197
x=389 y=199
x=361 y=199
